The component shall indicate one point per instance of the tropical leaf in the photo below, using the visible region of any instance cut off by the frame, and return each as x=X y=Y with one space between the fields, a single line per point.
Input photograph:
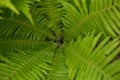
x=42 y=64
x=24 y=7
x=43 y=21
x=26 y=65
x=83 y=16
x=19 y=5
x=19 y=26
x=59 y=71
x=86 y=60
x=8 y=4
x=67 y=40
x=53 y=10
x=22 y=44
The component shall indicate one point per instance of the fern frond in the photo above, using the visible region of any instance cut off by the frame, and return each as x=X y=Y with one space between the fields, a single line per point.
x=42 y=64
x=83 y=16
x=19 y=26
x=43 y=50
x=8 y=4
x=19 y=5
x=22 y=44
x=59 y=71
x=24 y=7
x=26 y=65
x=53 y=10
x=86 y=60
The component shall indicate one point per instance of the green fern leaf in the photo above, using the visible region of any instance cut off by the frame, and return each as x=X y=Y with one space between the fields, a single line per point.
x=28 y=65
x=83 y=16
x=88 y=61
x=8 y=4
x=67 y=40
x=59 y=71
x=24 y=7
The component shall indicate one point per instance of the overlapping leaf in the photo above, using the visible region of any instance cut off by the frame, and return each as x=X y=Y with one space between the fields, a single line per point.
x=8 y=4
x=27 y=51
x=91 y=59
x=19 y=26
x=59 y=71
x=18 y=6
x=30 y=65
x=42 y=64
x=83 y=16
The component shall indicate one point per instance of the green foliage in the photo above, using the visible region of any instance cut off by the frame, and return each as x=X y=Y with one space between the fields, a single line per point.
x=19 y=5
x=30 y=65
x=101 y=15
x=59 y=39
x=8 y=4
x=88 y=61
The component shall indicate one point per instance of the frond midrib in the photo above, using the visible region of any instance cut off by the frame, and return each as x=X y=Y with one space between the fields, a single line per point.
x=24 y=63
x=25 y=41
x=90 y=16
x=91 y=64
x=28 y=25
